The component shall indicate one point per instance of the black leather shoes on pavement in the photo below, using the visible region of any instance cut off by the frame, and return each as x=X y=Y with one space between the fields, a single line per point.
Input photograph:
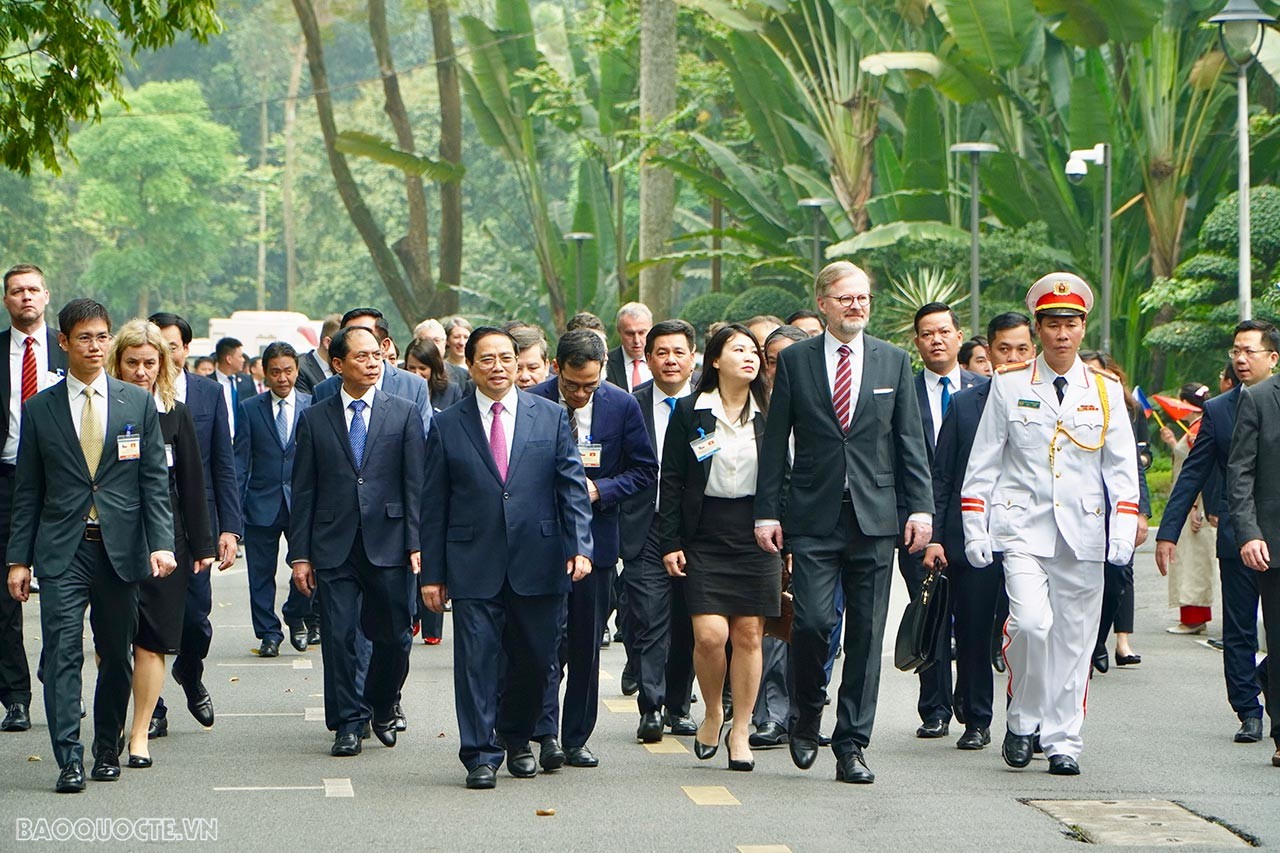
x=1016 y=749
x=630 y=685
x=1101 y=661
x=385 y=732
x=199 y=702
x=551 y=756
x=1063 y=765
x=703 y=752
x=139 y=762
x=482 y=778
x=520 y=763
x=269 y=649
x=974 y=737
x=853 y=768
x=345 y=746
x=1250 y=730
x=650 y=730
x=804 y=751
x=934 y=728
x=402 y=722
x=158 y=727
x=298 y=637
x=681 y=725
x=768 y=735
x=71 y=779
x=106 y=768
x=580 y=756
x=17 y=719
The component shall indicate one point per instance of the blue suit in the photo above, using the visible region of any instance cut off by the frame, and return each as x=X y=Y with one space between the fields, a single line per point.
x=628 y=466
x=500 y=546
x=396 y=382
x=1205 y=470
x=264 y=468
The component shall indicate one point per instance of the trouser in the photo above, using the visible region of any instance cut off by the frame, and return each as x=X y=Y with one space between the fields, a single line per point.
x=659 y=632
x=833 y=644
x=1117 y=603
x=262 y=553
x=773 y=702
x=1244 y=674
x=974 y=593
x=934 y=702
x=15 y=674
x=1055 y=604
x=356 y=597
x=89 y=581
x=861 y=565
x=432 y=623
x=581 y=627
x=1269 y=587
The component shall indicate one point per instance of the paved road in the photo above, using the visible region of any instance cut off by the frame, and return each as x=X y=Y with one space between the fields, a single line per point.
x=1161 y=730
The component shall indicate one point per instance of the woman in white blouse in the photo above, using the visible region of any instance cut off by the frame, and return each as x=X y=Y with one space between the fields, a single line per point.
x=706 y=532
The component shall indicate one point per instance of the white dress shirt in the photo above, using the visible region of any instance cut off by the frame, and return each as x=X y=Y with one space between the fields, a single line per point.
x=75 y=391
x=289 y=403
x=933 y=391
x=582 y=417
x=509 y=403
x=226 y=383
x=180 y=386
x=662 y=416
x=324 y=368
x=17 y=349
x=830 y=348
x=735 y=465
x=645 y=374
x=347 y=400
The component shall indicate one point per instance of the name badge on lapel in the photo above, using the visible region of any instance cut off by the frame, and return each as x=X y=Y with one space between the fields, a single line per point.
x=590 y=453
x=705 y=445
x=128 y=445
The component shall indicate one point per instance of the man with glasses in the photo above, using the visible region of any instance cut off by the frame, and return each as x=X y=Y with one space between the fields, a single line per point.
x=1253 y=357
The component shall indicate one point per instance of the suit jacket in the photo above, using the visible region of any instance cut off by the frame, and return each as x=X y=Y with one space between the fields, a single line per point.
x=396 y=382
x=53 y=490
x=636 y=514
x=1207 y=461
x=485 y=531
x=310 y=373
x=209 y=412
x=967 y=380
x=615 y=368
x=57 y=361
x=684 y=479
x=186 y=483
x=950 y=459
x=263 y=467
x=1253 y=471
x=243 y=385
x=881 y=456
x=628 y=465
x=332 y=497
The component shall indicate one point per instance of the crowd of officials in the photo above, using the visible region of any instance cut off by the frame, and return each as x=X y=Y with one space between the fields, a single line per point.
x=484 y=474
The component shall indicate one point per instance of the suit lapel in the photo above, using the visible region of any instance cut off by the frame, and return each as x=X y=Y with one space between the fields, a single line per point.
x=645 y=399
x=377 y=422
x=599 y=412
x=116 y=418
x=5 y=390
x=338 y=421
x=870 y=360
x=301 y=402
x=266 y=408
x=60 y=406
x=1042 y=385
x=474 y=428
x=926 y=411
x=818 y=367
x=525 y=419
x=706 y=421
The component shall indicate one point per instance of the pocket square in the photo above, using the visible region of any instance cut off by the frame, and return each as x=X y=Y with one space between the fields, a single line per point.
x=883 y=391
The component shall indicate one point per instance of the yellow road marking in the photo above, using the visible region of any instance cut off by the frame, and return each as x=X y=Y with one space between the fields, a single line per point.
x=621 y=706
x=710 y=795
x=667 y=746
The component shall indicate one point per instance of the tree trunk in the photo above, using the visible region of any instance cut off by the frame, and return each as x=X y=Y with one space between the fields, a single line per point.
x=657 y=185
x=288 y=221
x=264 y=138
x=450 y=248
x=717 y=221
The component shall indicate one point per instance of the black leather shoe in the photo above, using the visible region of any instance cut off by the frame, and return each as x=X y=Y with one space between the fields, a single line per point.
x=71 y=779
x=385 y=732
x=1016 y=749
x=1250 y=730
x=853 y=768
x=199 y=702
x=551 y=756
x=974 y=738
x=768 y=735
x=1128 y=660
x=158 y=727
x=402 y=722
x=1063 y=765
x=298 y=637
x=520 y=762
x=313 y=635
x=367 y=731
x=580 y=756
x=997 y=661
x=650 y=730
x=17 y=719
x=739 y=766
x=269 y=649
x=606 y=640
x=957 y=708
x=1101 y=661
x=345 y=746
x=482 y=778
x=630 y=685
x=681 y=725
x=934 y=728
x=703 y=752
x=804 y=751
x=139 y=762
x=106 y=768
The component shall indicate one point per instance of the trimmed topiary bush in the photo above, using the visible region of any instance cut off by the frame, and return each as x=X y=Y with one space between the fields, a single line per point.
x=702 y=311
x=763 y=299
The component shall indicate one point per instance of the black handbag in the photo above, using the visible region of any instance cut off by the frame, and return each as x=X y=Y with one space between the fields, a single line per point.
x=922 y=622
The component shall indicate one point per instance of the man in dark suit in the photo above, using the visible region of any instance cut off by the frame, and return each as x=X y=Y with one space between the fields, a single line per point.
x=267 y=430
x=850 y=402
x=628 y=368
x=937 y=339
x=313 y=367
x=35 y=362
x=618 y=457
x=91 y=511
x=208 y=410
x=1253 y=355
x=393 y=381
x=511 y=533
x=229 y=373
x=353 y=535
x=658 y=631
x=1253 y=494
x=974 y=592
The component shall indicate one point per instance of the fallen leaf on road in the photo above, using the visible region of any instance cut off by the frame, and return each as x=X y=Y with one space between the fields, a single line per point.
x=234 y=679
x=545 y=812
x=34 y=758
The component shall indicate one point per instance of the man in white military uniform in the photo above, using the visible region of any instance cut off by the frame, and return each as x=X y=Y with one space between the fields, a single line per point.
x=1053 y=469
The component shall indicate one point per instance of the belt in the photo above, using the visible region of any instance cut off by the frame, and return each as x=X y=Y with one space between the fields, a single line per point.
x=92 y=533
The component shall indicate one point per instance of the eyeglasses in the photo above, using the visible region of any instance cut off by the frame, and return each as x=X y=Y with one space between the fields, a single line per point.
x=848 y=300
x=86 y=339
x=575 y=388
x=1247 y=352
x=489 y=361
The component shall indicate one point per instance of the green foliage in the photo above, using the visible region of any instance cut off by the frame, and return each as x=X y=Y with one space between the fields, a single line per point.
x=706 y=309
x=1221 y=229
x=896 y=305
x=763 y=299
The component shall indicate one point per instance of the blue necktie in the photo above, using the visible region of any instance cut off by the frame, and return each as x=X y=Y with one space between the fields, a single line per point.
x=359 y=432
x=945 y=382
x=671 y=404
x=282 y=425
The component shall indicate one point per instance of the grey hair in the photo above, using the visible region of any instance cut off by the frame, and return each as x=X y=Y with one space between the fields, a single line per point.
x=834 y=272
x=634 y=309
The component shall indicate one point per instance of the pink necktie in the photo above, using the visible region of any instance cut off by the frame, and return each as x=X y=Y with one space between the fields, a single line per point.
x=844 y=381
x=498 y=441
x=635 y=374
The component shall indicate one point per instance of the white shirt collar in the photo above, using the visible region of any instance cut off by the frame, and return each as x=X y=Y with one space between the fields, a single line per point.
x=18 y=340
x=711 y=400
x=367 y=397
x=509 y=400
x=75 y=387
x=659 y=398
x=1075 y=373
x=291 y=399
x=934 y=379
x=831 y=345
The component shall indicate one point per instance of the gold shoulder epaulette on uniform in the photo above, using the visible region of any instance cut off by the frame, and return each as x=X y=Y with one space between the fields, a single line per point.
x=1101 y=372
x=1007 y=368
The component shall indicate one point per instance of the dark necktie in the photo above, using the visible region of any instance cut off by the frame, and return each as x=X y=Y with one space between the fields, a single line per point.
x=573 y=421
x=1061 y=384
x=29 y=382
x=358 y=432
x=945 y=382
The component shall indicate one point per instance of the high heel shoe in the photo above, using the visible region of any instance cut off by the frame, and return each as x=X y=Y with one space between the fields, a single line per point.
x=704 y=752
x=744 y=766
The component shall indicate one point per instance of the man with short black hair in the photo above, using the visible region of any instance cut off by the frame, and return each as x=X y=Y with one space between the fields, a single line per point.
x=807 y=320
x=393 y=380
x=236 y=385
x=313 y=367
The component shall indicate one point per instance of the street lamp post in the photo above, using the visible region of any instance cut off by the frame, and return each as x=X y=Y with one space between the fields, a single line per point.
x=1241 y=27
x=974 y=150
x=578 y=238
x=815 y=206
x=1077 y=168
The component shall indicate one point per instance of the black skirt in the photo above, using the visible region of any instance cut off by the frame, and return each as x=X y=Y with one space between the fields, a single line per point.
x=162 y=604
x=728 y=573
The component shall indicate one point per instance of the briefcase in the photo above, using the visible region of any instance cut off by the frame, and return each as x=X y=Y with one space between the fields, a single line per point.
x=780 y=626
x=922 y=622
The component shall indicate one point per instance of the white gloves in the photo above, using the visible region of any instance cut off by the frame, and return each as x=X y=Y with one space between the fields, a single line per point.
x=1119 y=552
x=978 y=552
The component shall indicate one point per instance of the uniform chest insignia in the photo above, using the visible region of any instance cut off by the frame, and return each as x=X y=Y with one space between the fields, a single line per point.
x=1087 y=408
x=1028 y=404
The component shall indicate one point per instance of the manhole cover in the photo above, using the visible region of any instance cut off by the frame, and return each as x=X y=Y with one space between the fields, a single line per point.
x=1149 y=823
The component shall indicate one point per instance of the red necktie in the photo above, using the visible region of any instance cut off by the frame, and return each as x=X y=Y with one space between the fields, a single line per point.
x=844 y=381
x=635 y=374
x=29 y=383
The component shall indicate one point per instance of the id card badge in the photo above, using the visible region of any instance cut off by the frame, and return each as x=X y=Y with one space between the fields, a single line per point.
x=128 y=447
x=168 y=454
x=590 y=453
x=705 y=445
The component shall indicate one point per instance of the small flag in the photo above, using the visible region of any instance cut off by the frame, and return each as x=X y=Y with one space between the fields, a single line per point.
x=1141 y=397
x=1175 y=408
